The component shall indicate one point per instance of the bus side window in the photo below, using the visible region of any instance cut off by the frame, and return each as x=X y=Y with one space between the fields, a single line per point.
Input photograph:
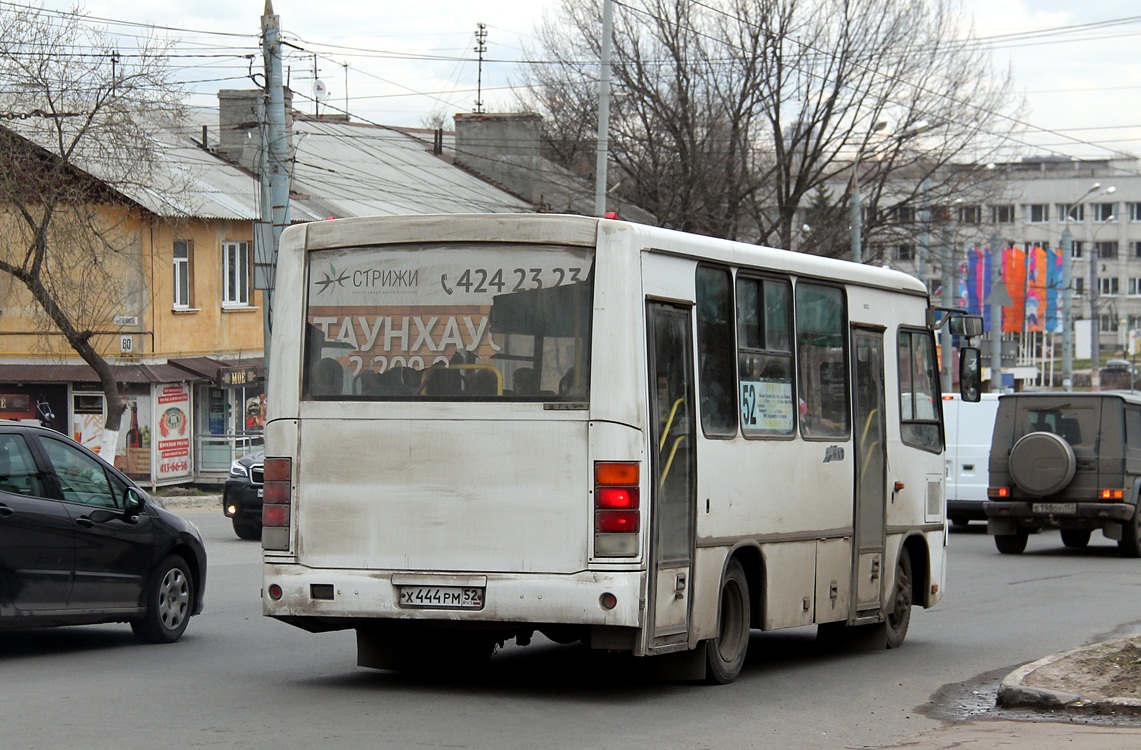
x=764 y=357
x=715 y=351
x=822 y=360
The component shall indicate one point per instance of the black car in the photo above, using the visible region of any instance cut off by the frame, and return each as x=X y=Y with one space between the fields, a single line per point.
x=241 y=498
x=81 y=543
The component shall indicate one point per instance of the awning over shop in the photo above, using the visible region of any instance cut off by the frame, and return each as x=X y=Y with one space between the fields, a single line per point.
x=82 y=373
x=208 y=368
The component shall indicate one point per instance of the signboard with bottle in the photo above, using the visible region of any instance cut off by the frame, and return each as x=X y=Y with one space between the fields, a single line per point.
x=172 y=433
x=134 y=451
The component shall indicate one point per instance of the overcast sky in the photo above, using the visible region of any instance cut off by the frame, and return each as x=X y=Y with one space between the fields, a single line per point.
x=406 y=60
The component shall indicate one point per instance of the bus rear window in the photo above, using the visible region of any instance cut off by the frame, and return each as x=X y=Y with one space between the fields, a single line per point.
x=451 y=322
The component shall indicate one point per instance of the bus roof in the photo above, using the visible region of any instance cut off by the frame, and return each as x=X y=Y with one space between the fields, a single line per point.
x=585 y=231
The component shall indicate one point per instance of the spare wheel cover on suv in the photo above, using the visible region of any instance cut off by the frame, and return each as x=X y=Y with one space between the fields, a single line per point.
x=1041 y=463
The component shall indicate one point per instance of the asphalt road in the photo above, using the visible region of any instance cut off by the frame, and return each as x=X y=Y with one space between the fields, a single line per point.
x=237 y=680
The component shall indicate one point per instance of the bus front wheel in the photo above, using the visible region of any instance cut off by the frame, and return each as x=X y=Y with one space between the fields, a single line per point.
x=725 y=654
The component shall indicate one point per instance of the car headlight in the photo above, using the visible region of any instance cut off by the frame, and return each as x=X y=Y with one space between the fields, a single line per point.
x=238 y=470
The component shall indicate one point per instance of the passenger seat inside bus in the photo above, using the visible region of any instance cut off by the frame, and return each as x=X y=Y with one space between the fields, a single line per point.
x=327 y=378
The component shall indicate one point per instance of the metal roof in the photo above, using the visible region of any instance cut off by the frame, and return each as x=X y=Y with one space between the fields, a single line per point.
x=341 y=169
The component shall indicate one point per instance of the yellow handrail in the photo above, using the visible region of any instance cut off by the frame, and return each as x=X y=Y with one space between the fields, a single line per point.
x=669 y=423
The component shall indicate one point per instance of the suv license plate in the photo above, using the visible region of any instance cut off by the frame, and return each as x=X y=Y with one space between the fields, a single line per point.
x=441 y=597
x=1055 y=508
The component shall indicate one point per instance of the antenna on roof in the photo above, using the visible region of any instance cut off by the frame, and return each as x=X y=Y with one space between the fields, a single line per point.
x=480 y=47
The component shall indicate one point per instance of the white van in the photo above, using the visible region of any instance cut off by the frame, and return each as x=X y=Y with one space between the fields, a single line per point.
x=969 y=428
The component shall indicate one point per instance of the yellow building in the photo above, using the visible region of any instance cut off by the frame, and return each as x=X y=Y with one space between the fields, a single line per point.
x=185 y=335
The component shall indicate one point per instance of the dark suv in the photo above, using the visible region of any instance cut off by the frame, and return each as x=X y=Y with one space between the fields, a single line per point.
x=241 y=497
x=81 y=543
x=1066 y=461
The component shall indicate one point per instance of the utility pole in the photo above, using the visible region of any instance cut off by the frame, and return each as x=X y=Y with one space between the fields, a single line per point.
x=275 y=173
x=480 y=48
x=1067 y=309
x=999 y=296
x=603 y=109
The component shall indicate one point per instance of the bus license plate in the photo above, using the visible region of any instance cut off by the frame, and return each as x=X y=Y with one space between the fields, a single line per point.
x=441 y=597
x=1056 y=508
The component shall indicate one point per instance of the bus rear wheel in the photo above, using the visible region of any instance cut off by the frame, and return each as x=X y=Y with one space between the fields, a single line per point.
x=725 y=654
x=899 y=613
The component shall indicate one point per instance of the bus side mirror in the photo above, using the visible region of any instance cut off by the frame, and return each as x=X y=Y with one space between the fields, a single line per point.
x=970 y=374
x=966 y=325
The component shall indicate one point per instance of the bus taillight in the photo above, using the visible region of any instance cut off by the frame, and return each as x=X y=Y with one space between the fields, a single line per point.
x=276 y=494
x=617 y=509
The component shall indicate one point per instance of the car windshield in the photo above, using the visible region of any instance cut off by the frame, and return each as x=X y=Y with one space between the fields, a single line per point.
x=449 y=322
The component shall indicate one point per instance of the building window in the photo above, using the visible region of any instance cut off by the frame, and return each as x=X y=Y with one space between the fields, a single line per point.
x=1134 y=286
x=1105 y=250
x=1072 y=212
x=1103 y=211
x=1108 y=323
x=1037 y=213
x=1079 y=286
x=1002 y=214
x=235 y=274
x=1134 y=211
x=905 y=214
x=182 y=285
x=1109 y=287
x=970 y=214
x=1076 y=249
x=905 y=252
x=1136 y=249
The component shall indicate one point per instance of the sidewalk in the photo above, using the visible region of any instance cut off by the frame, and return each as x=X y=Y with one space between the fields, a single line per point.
x=1098 y=684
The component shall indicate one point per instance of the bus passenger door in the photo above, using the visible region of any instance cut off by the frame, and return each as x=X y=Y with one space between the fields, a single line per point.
x=871 y=471
x=672 y=481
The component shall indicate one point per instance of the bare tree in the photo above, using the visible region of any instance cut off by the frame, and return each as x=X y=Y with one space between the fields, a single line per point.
x=76 y=115
x=729 y=115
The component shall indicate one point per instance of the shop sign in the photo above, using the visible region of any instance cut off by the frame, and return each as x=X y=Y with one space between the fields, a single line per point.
x=236 y=377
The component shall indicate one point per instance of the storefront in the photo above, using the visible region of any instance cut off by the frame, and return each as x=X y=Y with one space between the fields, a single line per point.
x=155 y=446
x=229 y=414
x=186 y=420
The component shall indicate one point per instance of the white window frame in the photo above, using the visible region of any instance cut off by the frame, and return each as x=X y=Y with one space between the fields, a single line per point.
x=1134 y=286
x=182 y=277
x=1134 y=211
x=1041 y=209
x=1103 y=212
x=1108 y=286
x=236 y=276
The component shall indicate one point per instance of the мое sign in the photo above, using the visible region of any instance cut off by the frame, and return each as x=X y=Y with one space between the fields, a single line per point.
x=236 y=377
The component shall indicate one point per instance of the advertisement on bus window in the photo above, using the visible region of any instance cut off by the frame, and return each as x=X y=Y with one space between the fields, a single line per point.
x=390 y=322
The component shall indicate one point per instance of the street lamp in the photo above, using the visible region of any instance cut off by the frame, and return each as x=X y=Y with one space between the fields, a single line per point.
x=1095 y=319
x=855 y=218
x=1068 y=289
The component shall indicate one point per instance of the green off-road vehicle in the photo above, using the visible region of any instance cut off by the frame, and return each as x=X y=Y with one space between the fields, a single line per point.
x=1066 y=461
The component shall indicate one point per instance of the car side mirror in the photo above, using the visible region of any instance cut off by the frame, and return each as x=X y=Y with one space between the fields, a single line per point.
x=133 y=502
x=970 y=374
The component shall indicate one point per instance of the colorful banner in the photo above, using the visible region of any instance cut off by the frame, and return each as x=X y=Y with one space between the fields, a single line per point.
x=1032 y=278
x=173 y=432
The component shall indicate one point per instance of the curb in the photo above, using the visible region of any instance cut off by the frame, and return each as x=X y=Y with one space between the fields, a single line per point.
x=1013 y=692
x=177 y=502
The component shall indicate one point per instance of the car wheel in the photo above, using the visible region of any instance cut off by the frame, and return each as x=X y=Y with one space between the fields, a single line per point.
x=899 y=608
x=1076 y=538
x=1130 y=543
x=247 y=530
x=170 y=599
x=1042 y=463
x=725 y=654
x=1011 y=544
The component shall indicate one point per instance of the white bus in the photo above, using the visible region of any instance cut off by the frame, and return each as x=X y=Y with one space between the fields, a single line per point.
x=485 y=426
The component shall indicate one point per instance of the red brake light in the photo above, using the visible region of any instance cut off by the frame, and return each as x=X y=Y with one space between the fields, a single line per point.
x=998 y=492
x=617 y=521
x=274 y=515
x=1112 y=494
x=617 y=497
x=277 y=470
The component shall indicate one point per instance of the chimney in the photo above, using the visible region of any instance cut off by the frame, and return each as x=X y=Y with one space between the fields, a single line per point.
x=240 y=113
x=502 y=148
